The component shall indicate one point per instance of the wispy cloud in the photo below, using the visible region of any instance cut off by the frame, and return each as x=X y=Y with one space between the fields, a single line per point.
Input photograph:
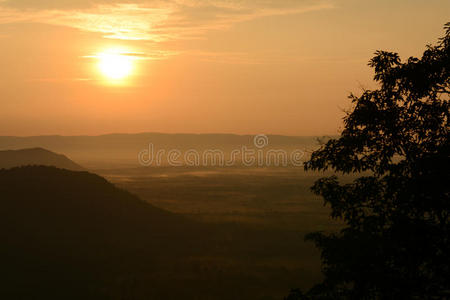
x=122 y=21
x=60 y=79
x=193 y=19
x=244 y=58
x=154 y=21
x=150 y=20
x=149 y=55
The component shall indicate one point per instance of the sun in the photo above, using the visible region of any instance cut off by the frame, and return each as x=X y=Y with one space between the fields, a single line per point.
x=115 y=65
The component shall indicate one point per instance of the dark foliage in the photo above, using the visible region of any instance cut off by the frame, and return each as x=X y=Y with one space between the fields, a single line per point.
x=395 y=242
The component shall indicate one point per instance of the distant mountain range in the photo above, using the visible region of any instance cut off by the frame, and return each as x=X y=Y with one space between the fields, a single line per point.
x=113 y=150
x=36 y=156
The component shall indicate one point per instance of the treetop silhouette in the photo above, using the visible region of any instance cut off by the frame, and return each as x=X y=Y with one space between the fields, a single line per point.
x=395 y=241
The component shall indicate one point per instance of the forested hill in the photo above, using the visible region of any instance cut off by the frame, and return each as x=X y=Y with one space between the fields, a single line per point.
x=36 y=156
x=73 y=235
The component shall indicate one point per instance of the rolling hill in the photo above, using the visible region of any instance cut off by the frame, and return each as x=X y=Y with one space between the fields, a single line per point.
x=36 y=156
x=73 y=235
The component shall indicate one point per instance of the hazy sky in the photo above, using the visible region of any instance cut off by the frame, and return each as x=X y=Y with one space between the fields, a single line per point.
x=234 y=66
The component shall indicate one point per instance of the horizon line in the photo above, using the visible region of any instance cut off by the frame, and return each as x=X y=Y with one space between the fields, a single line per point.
x=164 y=133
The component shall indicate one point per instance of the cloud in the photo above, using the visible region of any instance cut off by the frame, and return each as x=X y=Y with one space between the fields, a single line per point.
x=148 y=55
x=60 y=79
x=281 y=57
x=154 y=21
x=192 y=18
x=122 y=21
x=150 y=20
x=62 y=4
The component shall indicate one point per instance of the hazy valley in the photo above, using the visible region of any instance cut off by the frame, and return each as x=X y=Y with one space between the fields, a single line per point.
x=217 y=226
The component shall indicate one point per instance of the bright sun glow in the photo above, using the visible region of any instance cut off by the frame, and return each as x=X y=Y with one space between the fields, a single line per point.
x=115 y=65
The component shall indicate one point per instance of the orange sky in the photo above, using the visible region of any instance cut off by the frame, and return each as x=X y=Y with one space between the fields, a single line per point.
x=234 y=66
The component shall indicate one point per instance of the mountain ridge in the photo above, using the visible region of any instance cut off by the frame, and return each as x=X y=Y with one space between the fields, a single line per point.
x=73 y=235
x=36 y=156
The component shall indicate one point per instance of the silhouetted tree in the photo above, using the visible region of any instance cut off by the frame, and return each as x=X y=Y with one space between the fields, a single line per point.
x=395 y=241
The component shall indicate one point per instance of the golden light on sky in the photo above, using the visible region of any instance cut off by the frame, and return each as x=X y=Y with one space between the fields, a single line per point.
x=220 y=66
x=114 y=64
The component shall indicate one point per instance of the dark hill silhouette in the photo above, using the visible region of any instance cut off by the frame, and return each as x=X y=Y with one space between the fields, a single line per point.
x=73 y=235
x=36 y=156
